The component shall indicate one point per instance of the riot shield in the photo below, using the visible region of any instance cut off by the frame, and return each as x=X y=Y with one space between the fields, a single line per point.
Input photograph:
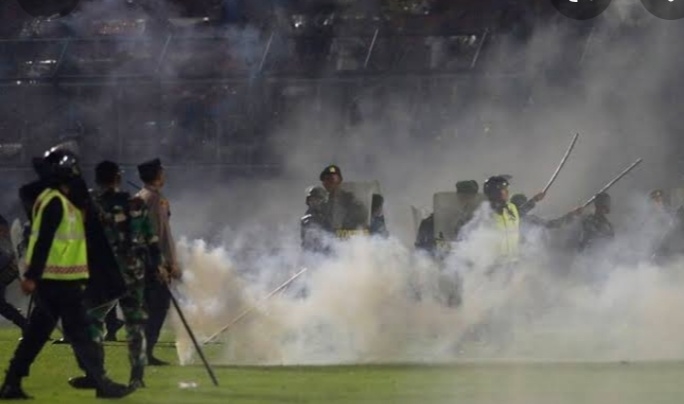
x=452 y=211
x=418 y=217
x=351 y=207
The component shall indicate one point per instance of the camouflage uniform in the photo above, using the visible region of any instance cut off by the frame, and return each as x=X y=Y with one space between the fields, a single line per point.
x=129 y=230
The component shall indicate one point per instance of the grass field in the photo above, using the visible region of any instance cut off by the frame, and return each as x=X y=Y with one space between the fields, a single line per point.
x=490 y=383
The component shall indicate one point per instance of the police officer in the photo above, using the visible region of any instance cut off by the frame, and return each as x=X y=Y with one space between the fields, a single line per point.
x=9 y=271
x=314 y=223
x=468 y=200
x=596 y=228
x=57 y=275
x=129 y=230
x=505 y=217
x=157 y=295
x=344 y=211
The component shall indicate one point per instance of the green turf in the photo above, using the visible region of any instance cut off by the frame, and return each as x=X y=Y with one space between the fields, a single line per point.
x=649 y=383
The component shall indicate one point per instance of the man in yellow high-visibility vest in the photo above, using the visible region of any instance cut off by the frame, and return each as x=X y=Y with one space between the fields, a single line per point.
x=57 y=274
x=505 y=217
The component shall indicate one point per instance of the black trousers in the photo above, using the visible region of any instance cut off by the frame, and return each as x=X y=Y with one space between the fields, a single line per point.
x=58 y=300
x=10 y=312
x=158 y=301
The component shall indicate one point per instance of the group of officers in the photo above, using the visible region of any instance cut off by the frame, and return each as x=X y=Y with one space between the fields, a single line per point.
x=87 y=251
x=332 y=211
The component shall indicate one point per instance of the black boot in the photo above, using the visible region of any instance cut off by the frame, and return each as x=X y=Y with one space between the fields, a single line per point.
x=137 y=373
x=154 y=361
x=11 y=388
x=108 y=389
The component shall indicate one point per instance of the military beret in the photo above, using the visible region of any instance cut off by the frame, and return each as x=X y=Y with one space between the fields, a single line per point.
x=106 y=172
x=149 y=169
x=330 y=170
x=467 y=187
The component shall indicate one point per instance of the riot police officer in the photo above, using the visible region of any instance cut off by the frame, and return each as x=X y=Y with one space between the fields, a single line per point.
x=505 y=217
x=57 y=275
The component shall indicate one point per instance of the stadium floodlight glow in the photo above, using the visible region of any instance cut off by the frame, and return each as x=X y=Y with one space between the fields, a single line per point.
x=48 y=8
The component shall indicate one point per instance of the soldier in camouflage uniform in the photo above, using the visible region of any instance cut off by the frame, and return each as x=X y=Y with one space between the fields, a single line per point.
x=129 y=230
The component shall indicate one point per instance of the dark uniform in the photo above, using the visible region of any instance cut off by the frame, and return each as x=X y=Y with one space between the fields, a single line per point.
x=9 y=271
x=157 y=295
x=596 y=228
x=57 y=275
x=314 y=224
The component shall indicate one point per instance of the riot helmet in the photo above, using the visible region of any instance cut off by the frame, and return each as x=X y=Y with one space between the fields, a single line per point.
x=494 y=186
x=58 y=165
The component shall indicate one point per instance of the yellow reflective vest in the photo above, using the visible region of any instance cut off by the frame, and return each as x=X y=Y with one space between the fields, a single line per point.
x=508 y=226
x=67 y=259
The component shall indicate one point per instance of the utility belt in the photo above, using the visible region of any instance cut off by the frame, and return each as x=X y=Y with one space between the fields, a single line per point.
x=347 y=234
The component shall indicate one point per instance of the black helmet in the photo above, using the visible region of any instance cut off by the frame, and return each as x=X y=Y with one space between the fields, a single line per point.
x=494 y=185
x=59 y=165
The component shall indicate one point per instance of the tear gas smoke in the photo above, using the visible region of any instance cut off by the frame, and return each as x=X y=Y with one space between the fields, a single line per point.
x=377 y=301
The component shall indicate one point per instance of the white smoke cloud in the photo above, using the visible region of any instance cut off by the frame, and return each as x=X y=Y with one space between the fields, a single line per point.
x=377 y=301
